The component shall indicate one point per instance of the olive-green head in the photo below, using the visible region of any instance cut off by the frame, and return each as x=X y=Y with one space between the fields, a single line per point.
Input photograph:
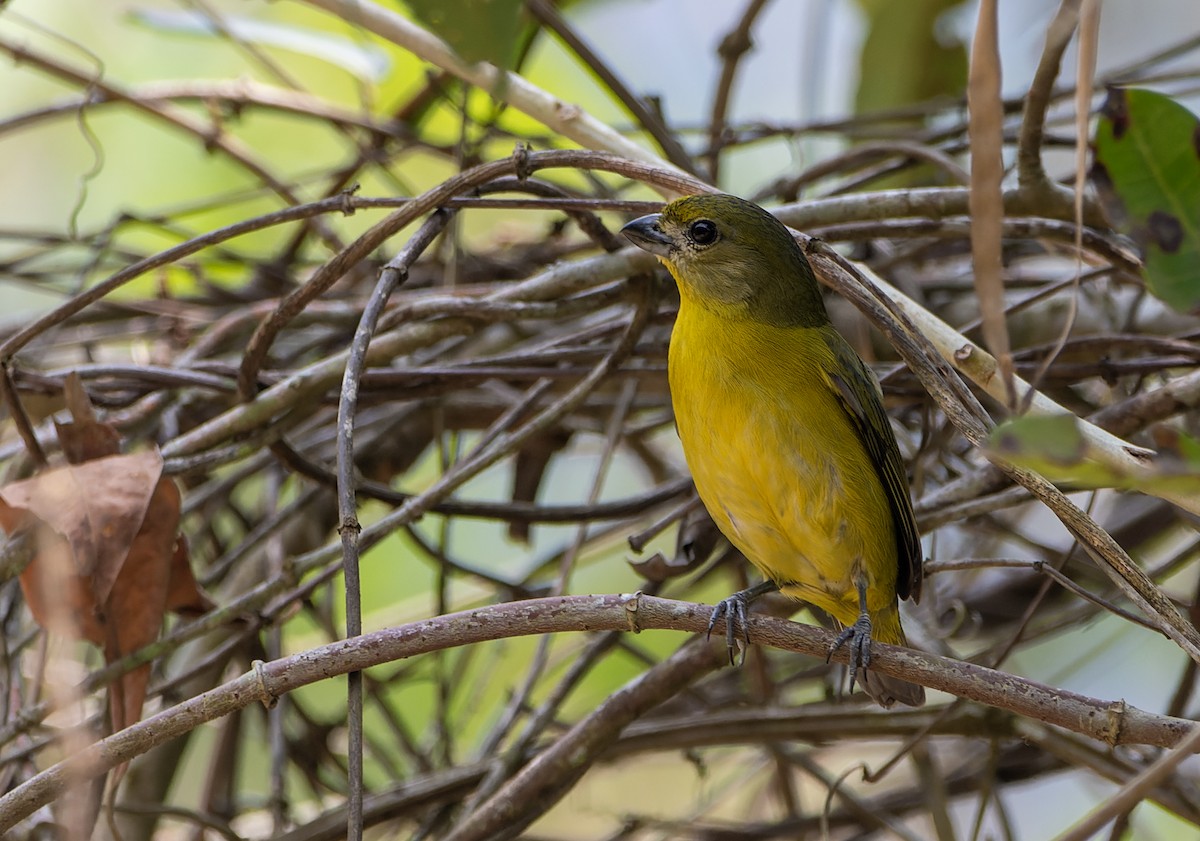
x=730 y=255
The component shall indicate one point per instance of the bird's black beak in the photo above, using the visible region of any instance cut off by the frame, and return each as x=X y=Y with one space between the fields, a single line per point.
x=646 y=233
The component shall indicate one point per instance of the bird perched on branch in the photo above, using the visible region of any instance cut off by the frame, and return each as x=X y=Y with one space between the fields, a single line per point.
x=784 y=429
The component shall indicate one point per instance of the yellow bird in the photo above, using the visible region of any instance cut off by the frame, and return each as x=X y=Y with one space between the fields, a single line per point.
x=784 y=429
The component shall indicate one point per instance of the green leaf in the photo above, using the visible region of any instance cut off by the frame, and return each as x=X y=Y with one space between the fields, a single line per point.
x=908 y=56
x=362 y=60
x=1045 y=439
x=478 y=30
x=1147 y=174
x=1054 y=446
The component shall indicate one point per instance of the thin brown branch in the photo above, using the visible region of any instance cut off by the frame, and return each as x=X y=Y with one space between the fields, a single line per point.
x=733 y=46
x=552 y=773
x=394 y=273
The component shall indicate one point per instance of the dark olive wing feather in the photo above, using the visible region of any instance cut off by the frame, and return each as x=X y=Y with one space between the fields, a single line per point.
x=859 y=394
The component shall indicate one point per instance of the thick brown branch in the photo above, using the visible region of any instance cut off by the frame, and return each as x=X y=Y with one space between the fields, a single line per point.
x=1111 y=722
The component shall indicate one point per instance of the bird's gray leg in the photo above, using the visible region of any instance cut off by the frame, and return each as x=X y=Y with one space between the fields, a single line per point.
x=734 y=610
x=858 y=635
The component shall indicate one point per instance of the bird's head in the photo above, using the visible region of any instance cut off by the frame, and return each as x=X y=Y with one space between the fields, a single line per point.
x=730 y=255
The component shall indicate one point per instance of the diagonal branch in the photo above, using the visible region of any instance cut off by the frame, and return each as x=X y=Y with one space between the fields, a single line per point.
x=964 y=411
x=565 y=118
x=648 y=119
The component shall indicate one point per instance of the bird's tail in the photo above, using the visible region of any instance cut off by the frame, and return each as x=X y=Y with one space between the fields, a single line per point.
x=886 y=690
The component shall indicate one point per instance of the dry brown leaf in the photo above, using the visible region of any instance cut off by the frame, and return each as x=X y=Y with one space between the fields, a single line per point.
x=138 y=600
x=109 y=563
x=98 y=506
x=184 y=595
x=59 y=598
x=85 y=438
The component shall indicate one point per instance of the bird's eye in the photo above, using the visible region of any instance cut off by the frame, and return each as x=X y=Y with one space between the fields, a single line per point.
x=703 y=232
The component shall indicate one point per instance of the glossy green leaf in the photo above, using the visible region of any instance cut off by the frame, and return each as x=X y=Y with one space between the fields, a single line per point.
x=1147 y=175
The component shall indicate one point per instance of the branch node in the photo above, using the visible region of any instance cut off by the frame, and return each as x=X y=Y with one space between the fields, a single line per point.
x=521 y=161
x=1116 y=718
x=268 y=698
x=633 y=602
x=347 y=199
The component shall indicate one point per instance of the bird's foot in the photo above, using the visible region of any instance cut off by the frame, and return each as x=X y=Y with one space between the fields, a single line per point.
x=734 y=611
x=858 y=636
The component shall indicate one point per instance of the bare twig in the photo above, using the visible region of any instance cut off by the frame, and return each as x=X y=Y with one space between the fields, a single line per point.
x=1133 y=791
x=734 y=45
x=393 y=274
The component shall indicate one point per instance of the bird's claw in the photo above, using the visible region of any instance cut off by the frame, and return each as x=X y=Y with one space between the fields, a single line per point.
x=733 y=610
x=859 y=637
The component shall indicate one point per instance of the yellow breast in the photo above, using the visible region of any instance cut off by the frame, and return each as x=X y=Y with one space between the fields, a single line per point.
x=778 y=462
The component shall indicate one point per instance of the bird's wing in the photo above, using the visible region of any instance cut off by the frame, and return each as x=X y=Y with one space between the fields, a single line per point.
x=858 y=392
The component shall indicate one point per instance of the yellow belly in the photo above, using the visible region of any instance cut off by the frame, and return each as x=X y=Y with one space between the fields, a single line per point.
x=779 y=465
